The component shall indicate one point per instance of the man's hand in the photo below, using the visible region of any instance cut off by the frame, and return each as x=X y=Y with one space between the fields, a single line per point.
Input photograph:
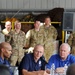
x=43 y=72
x=59 y=70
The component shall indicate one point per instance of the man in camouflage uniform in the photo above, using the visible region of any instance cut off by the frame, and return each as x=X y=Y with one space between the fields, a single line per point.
x=34 y=36
x=7 y=30
x=50 y=36
x=71 y=42
x=17 y=41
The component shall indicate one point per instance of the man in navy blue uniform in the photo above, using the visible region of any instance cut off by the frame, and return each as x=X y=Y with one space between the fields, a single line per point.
x=59 y=60
x=5 y=53
x=34 y=63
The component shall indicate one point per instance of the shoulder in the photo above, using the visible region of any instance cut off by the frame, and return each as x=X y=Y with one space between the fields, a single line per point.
x=42 y=26
x=71 y=56
x=12 y=32
x=22 y=32
x=52 y=27
x=28 y=55
x=4 y=31
x=55 y=55
x=30 y=31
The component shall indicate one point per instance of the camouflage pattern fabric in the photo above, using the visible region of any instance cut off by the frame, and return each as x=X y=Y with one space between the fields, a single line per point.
x=17 y=40
x=71 y=42
x=50 y=35
x=34 y=37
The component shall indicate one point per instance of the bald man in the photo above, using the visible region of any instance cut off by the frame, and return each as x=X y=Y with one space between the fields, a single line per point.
x=5 y=53
x=64 y=57
x=33 y=62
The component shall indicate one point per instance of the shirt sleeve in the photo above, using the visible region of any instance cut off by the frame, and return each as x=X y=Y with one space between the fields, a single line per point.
x=72 y=59
x=50 y=62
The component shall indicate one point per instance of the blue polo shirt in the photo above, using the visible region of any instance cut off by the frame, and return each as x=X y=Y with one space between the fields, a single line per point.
x=56 y=59
x=28 y=63
x=6 y=63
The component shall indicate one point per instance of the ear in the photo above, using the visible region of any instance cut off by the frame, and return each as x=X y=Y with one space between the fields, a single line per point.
x=2 y=50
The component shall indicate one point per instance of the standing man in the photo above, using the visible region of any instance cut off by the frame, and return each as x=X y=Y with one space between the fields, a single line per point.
x=71 y=42
x=7 y=30
x=50 y=36
x=35 y=36
x=17 y=42
x=33 y=63
x=5 y=53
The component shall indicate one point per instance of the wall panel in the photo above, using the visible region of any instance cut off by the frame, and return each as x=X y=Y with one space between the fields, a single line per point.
x=68 y=4
x=15 y=4
x=0 y=4
x=20 y=4
x=26 y=4
x=36 y=4
x=73 y=4
x=44 y=4
x=62 y=3
x=9 y=4
x=32 y=4
x=3 y=4
x=56 y=3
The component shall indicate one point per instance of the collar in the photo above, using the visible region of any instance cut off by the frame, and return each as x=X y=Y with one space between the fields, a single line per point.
x=34 y=60
x=1 y=60
x=67 y=59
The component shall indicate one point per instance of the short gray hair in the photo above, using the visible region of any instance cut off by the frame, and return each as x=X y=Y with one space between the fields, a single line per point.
x=69 y=48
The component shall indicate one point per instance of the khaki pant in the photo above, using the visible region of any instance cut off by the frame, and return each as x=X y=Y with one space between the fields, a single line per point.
x=50 y=48
x=16 y=57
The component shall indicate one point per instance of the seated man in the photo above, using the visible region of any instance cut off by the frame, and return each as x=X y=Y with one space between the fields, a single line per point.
x=33 y=63
x=5 y=52
x=59 y=60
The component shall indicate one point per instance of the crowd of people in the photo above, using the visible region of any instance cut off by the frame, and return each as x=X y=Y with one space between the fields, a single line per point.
x=40 y=42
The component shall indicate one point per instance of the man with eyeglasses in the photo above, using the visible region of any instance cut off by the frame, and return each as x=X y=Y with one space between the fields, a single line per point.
x=33 y=63
x=5 y=53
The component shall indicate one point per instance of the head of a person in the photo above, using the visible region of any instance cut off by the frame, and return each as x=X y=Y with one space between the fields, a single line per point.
x=4 y=70
x=37 y=24
x=47 y=20
x=64 y=51
x=8 y=25
x=17 y=25
x=38 y=51
x=71 y=70
x=5 y=50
